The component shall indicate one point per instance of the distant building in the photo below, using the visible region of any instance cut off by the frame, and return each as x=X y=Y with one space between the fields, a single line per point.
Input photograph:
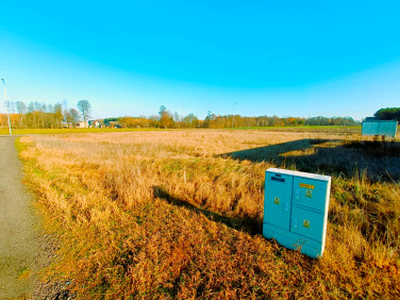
x=94 y=123
x=81 y=124
x=375 y=126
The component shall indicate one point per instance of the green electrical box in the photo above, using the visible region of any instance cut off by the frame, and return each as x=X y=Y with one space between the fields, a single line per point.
x=373 y=126
x=296 y=209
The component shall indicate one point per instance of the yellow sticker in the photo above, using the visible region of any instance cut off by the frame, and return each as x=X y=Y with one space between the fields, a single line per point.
x=307 y=186
x=306 y=224
x=276 y=200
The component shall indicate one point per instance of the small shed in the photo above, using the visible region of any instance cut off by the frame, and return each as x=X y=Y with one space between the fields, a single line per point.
x=375 y=126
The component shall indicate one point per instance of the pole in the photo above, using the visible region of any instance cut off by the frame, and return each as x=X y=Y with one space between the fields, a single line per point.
x=8 y=115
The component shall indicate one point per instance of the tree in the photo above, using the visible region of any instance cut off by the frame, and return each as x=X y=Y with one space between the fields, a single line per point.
x=109 y=122
x=130 y=122
x=177 y=119
x=154 y=122
x=21 y=107
x=190 y=121
x=72 y=117
x=127 y=122
x=32 y=107
x=165 y=117
x=389 y=113
x=209 y=119
x=57 y=116
x=85 y=108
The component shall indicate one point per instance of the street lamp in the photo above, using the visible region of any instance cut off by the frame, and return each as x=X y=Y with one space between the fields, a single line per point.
x=233 y=113
x=8 y=115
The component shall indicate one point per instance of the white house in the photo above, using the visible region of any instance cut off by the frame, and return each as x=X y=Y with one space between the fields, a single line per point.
x=81 y=124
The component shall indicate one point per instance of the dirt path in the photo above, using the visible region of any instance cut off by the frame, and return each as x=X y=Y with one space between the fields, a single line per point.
x=18 y=235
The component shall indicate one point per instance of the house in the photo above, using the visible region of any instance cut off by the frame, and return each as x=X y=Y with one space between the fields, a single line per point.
x=81 y=124
x=94 y=123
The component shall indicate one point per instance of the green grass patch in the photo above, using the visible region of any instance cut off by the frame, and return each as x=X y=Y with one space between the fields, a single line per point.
x=305 y=128
x=24 y=273
x=72 y=130
x=4 y=131
x=20 y=146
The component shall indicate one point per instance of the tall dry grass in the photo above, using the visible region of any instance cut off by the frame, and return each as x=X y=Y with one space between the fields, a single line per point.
x=179 y=213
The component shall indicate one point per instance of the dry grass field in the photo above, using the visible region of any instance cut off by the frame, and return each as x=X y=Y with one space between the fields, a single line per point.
x=178 y=214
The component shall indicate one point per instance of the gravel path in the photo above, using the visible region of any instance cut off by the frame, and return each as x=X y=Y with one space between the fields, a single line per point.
x=18 y=227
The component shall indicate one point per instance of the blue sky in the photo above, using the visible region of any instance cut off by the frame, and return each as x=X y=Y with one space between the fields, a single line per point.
x=285 y=58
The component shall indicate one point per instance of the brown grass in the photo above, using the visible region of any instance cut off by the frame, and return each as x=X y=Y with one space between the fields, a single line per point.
x=179 y=214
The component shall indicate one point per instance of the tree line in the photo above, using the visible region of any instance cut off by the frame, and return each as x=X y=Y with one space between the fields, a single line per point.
x=166 y=119
x=40 y=115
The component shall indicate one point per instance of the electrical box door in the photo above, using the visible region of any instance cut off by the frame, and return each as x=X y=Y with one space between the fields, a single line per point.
x=296 y=209
x=310 y=193
x=307 y=223
x=278 y=202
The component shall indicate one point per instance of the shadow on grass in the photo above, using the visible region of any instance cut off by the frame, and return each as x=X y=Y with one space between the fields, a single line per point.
x=379 y=160
x=275 y=153
x=249 y=225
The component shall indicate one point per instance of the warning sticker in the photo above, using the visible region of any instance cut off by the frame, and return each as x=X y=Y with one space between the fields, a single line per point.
x=306 y=224
x=276 y=200
x=307 y=186
x=309 y=193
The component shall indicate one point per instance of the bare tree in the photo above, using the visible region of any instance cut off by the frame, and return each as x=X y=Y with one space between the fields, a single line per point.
x=21 y=110
x=21 y=107
x=85 y=109
x=72 y=117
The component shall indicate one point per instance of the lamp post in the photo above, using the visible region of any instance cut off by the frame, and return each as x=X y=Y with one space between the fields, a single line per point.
x=233 y=113
x=8 y=115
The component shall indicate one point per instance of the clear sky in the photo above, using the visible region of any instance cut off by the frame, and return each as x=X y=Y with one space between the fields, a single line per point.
x=285 y=58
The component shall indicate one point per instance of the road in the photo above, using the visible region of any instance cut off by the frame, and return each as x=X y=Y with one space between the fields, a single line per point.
x=18 y=227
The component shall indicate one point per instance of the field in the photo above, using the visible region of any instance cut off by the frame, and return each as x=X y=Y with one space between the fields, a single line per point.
x=178 y=214
x=20 y=131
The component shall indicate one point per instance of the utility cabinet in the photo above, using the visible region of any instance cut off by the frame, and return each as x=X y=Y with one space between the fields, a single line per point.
x=374 y=126
x=296 y=209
